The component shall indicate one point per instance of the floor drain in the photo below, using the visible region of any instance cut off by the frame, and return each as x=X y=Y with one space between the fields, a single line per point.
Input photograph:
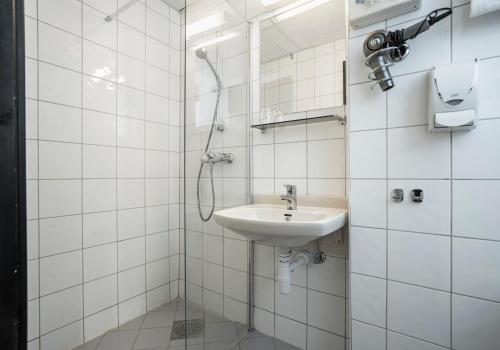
x=187 y=329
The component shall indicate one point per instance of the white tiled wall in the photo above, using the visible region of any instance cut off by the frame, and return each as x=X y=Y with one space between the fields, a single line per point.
x=425 y=276
x=103 y=108
x=216 y=259
x=312 y=157
x=313 y=314
x=305 y=80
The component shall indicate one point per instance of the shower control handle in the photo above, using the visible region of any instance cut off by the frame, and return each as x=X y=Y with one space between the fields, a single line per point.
x=217 y=157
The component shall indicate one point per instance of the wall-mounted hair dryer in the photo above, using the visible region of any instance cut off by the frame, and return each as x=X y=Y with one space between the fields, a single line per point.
x=384 y=48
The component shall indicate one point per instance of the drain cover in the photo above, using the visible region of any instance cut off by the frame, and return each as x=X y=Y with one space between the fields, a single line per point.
x=187 y=329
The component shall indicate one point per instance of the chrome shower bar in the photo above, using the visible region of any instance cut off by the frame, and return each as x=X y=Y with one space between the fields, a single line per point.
x=115 y=14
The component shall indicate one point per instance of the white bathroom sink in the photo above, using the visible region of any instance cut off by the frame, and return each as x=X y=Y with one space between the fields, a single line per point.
x=268 y=223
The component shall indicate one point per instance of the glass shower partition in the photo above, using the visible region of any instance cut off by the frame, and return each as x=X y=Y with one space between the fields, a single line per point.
x=215 y=157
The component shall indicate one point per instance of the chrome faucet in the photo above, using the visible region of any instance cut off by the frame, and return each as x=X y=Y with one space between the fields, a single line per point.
x=290 y=197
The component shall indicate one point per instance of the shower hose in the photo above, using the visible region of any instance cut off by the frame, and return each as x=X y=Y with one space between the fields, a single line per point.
x=211 y=165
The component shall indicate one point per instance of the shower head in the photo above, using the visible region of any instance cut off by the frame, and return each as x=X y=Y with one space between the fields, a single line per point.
x=202 y=53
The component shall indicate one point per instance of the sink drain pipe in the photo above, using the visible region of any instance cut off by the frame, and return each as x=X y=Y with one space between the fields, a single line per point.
x=287 y=265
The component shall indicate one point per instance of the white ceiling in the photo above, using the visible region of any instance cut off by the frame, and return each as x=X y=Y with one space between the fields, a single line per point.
x=317 y=26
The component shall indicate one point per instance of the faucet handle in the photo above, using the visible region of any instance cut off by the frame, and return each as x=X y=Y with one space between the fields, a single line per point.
x=291 y=189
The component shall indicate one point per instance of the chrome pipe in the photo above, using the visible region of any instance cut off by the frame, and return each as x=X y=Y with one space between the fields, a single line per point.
x=115 y=14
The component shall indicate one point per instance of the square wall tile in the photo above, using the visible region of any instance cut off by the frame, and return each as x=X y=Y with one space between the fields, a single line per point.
x=131 y=253
x=235 y=254
x=54 y=118
x=475 y=267
x=99 y=162
x=264 y=260
x=488 y=97
x=475 y=323
x=62 y=14
x=99 y=61
x=475 y=154
x=157 y=273
x=407 y=103
x=100 y=323
x=396 y=341
x=416 y=153
x=466 y=30
x=368 y=107
x=99 y=294
x=433 y=215
x=368 y=200
x=60 y=234
x=132 y=308
x=130 y=163
x=99 y=261
x=99 y=95
x=131 y=42
x=419 y=312
x=478 y=199
x=130 y=193
x=290 y=160
x=292 y=305
x=326 y=311
x=264 y=293
x=67 y=337
x=368 y=251
x=33 y=320
x=321 y=340
x=99 y=128
x=213 y=277
x=59 y=85
x=97 y=30
x=335 y=269
x=59 y=309
x=368 y=154
x=264 y=321
x=33 y=279
x=157 y=246
x=130 y=132
x=368 y=299
x=235 y=285
x=419 y=259
x=325 y=159
x=59 y=47
x=290 y=331
x=131 y=102
x=99 y=195
x=60 y=197
x=365 y=336
x=131 y=283
x=99 y=228
x=59 y=160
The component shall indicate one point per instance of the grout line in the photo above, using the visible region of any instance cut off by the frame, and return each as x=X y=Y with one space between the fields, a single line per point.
x=144 y=165
x=81 y=175
x=451 y=200
x=116 y=181
x=39 y=336
x=386 y=216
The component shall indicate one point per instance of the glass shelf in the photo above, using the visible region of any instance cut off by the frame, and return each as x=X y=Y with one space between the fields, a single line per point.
x=314 y=116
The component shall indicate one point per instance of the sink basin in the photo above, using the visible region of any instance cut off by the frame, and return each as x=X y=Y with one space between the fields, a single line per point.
x=271 y=224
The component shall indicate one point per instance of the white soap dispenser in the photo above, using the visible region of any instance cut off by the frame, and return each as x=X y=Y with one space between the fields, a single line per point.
x=453 y=97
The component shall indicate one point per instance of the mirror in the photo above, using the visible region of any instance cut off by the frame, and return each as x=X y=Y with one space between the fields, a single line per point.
x=302 y=54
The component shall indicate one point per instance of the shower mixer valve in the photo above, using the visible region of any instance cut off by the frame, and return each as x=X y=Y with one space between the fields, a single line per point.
x=216 y=157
